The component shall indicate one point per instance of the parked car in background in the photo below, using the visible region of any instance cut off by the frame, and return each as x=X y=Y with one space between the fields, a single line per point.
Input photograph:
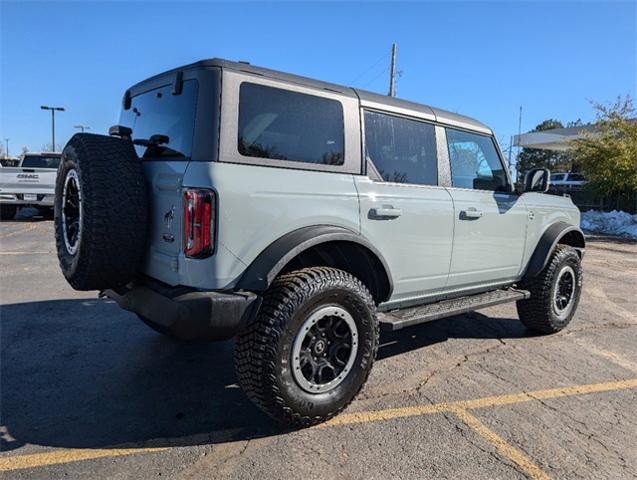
x=568 y=179
x=9 y=162
x=30 y=184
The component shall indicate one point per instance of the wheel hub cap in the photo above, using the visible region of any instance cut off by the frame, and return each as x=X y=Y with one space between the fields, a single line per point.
x=72 y=212
x=324 y=349
x=564 y=291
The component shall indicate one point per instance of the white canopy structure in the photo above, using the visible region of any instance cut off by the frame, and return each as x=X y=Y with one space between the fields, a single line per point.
x=555 y=139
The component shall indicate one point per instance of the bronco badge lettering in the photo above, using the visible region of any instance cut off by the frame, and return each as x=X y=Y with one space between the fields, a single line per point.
x=169 y=216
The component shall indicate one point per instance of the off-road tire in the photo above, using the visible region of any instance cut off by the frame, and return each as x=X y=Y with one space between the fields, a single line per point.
x=538 y=312
x=114 y=214
x=7 y=212
x=263 y=351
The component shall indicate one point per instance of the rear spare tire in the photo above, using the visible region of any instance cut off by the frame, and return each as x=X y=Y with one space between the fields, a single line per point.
x=101 y=212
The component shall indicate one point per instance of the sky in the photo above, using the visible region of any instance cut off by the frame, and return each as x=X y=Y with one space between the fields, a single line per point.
x=482 y=59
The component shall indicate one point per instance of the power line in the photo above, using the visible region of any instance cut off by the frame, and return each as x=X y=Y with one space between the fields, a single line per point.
x=384 y=70
x=367 y=70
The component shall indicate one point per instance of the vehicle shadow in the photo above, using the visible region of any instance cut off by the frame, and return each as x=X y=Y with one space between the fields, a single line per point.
x=29 y=214
x=85 y=374
x=470 y=325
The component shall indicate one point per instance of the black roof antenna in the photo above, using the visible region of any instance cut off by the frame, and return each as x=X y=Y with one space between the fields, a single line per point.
x=127 y=100
x=178 y=83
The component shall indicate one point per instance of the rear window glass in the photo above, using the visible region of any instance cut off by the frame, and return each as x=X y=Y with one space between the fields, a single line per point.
x=284 y=125
x=159 y=112
x=37 y=161
x=402 y=150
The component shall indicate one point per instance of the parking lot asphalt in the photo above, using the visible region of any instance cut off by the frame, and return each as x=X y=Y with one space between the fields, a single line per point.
x=88 y=391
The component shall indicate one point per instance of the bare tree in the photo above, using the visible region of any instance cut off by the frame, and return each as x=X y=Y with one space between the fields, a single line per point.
x=46 y=147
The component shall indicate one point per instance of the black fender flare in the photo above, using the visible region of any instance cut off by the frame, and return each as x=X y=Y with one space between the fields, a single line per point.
x=549 y=239
x=263 y=270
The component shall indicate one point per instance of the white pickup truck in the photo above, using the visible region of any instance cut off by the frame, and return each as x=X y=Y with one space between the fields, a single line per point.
x=30 y=184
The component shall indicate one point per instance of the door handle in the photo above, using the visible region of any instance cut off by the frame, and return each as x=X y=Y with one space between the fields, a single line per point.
x=470 y=214
x=385 y=212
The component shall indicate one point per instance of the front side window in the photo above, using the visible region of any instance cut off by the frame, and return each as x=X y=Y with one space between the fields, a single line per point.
x=475 y=162
x=557 y=177
x=159 y=112
x=284 y=125
x=402 y=150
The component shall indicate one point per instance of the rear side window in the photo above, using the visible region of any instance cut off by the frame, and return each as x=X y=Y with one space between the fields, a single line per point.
x=402 y=150
x=285 y=125
x=475 y=162
x=159 y=112
x=40 y=161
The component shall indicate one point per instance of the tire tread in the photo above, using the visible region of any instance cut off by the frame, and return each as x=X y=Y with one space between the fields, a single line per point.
x=256 y=349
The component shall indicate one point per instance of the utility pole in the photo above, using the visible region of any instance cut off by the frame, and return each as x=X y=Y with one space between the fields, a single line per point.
x=82 y=127
x=511 y=145
x=53 y=110
x=510 y=149
x=7 y=140
x=392 y=71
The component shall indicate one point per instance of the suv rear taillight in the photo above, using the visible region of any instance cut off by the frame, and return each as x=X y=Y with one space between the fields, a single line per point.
x=199 y=223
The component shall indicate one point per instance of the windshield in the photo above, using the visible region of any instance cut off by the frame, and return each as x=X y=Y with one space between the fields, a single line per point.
x=40 y=161
x=159 y=112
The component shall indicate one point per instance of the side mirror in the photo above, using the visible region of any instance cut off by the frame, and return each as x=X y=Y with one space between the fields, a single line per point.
x=537 y=180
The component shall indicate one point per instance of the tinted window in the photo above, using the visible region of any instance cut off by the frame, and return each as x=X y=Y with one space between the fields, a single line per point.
x=159 y=112
x=576 y=177
x=37 y=161
x=475 y=162
x=285 y=125
x=558 y=177
x=402 y=150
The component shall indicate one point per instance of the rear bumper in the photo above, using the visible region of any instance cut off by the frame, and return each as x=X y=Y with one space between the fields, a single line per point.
x=189 y=314
x=41 y=199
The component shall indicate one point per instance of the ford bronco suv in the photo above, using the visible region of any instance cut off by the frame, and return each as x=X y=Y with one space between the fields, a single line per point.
x=303 y=217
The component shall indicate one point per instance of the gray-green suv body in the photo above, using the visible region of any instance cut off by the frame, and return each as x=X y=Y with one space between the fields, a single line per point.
x=301 y=217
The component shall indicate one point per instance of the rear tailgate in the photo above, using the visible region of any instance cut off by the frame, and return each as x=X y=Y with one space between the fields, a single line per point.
x=27 y=180
x=165 y=231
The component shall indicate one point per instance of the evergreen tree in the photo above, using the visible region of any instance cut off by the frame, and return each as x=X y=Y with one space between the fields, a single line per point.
x=608 y=156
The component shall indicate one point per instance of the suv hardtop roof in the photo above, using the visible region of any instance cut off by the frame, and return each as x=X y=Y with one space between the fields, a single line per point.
x=442 y=116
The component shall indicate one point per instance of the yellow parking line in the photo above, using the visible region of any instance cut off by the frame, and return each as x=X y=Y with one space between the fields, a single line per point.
x=35 y=460
x=391 y=413
x=33 y=226
x=613 y=357
x=56 y=457
x=505 y=449
x=25 y=253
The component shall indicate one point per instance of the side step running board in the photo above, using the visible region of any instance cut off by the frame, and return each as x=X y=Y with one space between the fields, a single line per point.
x=446 y=308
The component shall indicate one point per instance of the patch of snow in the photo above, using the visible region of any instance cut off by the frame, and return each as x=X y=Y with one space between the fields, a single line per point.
x=610 y=223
